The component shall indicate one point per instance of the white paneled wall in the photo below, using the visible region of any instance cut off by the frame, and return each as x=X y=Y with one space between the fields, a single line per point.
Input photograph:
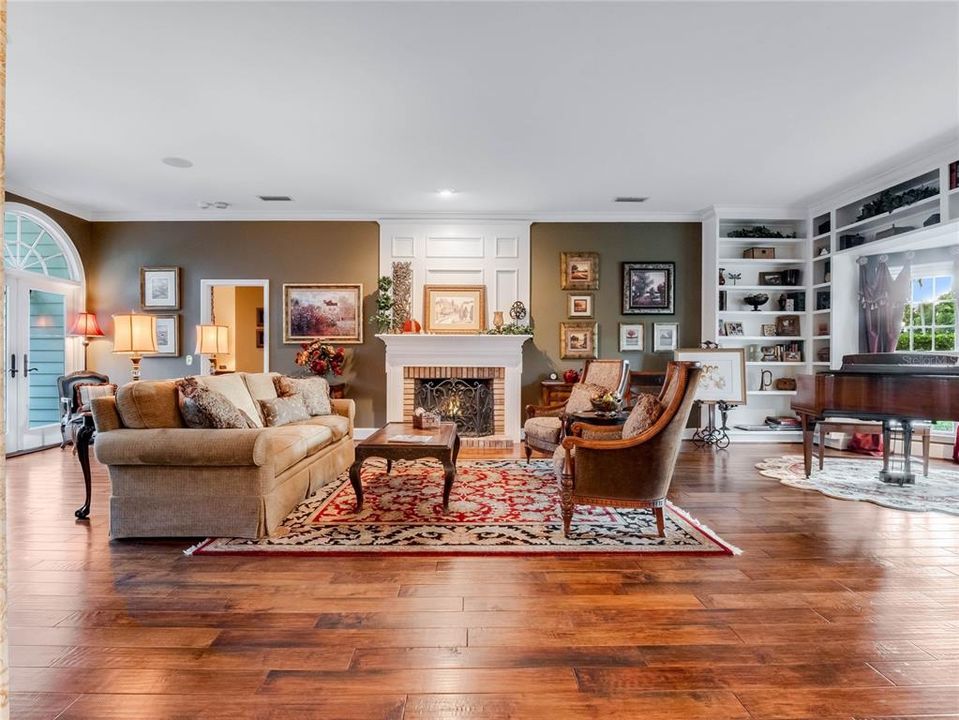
x=490 y=253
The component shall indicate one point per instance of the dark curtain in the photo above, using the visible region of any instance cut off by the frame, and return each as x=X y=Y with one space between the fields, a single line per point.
x=882 y=300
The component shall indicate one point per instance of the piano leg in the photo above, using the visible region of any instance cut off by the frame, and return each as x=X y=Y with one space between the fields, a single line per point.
x=808 y=427
x=886 y=443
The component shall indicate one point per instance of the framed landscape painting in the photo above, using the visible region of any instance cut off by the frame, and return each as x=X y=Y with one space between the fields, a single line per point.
x=724 y=373
x=160 y=288
x=454 y=309
x=579 y=270
x=328 y=312
x=649 y=288
x=168 y=335
x=578 y=340
x=580 y=306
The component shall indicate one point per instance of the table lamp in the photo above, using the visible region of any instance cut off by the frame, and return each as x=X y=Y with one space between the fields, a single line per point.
x=86 y=326
x=134 y=335
x=210 y=340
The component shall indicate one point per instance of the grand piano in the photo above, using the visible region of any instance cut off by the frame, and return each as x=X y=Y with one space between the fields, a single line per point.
x=896 y=388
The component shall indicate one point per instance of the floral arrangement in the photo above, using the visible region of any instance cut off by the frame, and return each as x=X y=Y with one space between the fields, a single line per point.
x=511 y=329
x=383 y=318
x=321 y=358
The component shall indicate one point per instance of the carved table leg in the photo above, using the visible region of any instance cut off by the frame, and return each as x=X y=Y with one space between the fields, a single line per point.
x=84 y=440
x=449 y=475
x=389 y=466
x=356 y=483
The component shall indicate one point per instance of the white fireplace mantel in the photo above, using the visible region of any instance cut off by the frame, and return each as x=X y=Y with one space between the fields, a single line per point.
x=420 y=350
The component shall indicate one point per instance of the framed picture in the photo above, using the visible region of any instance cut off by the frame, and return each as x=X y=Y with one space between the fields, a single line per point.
x=648 y=288
x=723 y=376
x=768 y=330
x=665 y=337
x=578 y=340
x=734 y=328
x=787 y=325
x=631 y=337
x=721 y=330
x=771 y=278
x=792 y=356
x=160 y=288
x=579 y=270
x=168 y=336
x=580 y=306
x=454 y=309
x=317 y=311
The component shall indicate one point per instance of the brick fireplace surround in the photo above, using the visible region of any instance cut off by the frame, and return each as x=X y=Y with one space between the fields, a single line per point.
x=498 y=358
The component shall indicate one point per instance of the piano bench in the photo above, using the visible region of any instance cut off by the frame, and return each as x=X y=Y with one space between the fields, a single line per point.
x=920 y=430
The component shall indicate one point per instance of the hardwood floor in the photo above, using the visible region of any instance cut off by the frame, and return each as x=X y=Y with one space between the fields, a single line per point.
x=835 y=610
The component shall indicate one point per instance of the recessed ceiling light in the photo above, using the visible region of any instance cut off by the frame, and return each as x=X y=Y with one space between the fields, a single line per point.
x=630 y=199
x=446 y=192
x=177 y=162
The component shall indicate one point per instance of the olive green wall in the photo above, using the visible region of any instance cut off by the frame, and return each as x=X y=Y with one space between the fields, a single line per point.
x=281 y=252
x=616 y=243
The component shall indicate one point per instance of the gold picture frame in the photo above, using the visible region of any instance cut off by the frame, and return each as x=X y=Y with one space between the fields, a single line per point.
x=330 y=312
x=578 y=340
x=454 y=309
x=579 y=270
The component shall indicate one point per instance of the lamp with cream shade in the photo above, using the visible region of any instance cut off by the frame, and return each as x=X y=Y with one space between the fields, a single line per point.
x=85 y=325
x=134 y=335
x=210 y=340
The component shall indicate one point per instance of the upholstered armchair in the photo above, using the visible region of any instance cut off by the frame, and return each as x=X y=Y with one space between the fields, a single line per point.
x=76 y=391
x=543 y=429
x=608 y=466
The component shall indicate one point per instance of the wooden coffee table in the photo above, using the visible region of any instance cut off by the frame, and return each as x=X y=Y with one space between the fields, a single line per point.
x=444 y=446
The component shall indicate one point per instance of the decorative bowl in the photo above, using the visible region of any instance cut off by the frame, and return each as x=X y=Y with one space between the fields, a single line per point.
x=756 y=300
x=607 y=403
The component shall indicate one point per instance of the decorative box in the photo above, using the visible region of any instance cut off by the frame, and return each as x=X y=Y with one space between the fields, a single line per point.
x=784 y=383
x=764 y=253
x=894 y=230
x=425 y=420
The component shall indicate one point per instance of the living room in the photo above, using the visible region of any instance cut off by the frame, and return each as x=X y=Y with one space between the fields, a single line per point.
x=480 y=359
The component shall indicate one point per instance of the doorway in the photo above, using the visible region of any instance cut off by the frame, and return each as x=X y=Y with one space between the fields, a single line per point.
x=42 y=293
x=243 y=307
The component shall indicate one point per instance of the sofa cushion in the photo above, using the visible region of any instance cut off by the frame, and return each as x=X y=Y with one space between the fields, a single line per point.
x=234 y=389
x=260 y=385
x=643 y=415
x=544 y=429
x=283 y=447
x=149 y=404
x=314 y=390
x=202 y=407
x=338 y=425
x=283 y=410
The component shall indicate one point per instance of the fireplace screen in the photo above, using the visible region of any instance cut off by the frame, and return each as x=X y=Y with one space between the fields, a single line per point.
x=468 y=403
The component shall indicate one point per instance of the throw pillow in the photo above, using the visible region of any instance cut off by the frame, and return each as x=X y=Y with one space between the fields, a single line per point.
x=315 y=392
x=284 y=410
x=87 y=391
x=579 y=397
x=643 y=415
x=202 y=407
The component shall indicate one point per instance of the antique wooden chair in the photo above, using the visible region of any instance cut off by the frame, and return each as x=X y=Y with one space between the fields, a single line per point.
x=72 y=405
x=543 y=428
x=599 y=465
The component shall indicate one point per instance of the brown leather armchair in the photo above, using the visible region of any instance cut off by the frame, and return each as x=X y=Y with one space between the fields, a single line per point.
x=543 y=429
x=599 y=467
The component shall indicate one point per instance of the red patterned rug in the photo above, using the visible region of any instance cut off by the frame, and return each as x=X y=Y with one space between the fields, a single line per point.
x=496 y=506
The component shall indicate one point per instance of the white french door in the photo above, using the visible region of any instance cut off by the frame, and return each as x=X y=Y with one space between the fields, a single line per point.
x=36 y=352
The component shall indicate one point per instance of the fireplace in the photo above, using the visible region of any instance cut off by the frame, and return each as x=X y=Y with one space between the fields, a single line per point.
x=467 y=402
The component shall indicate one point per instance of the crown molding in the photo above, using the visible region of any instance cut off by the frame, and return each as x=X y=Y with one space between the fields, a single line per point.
x=49 y=200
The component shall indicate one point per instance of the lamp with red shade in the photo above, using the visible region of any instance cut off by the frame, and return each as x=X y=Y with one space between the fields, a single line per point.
x=85 y=325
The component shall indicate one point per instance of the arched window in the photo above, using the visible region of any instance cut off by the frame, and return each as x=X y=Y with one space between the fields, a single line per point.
x=33 y=243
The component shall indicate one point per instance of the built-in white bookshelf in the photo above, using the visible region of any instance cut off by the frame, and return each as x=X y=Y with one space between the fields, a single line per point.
x=779 y=244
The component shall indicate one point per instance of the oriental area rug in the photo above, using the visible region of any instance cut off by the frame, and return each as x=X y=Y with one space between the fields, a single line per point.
x=853 y=479
x=496 y=507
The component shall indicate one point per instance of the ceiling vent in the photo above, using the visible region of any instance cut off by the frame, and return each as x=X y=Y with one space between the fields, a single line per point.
x=275 y=198
x=630 y=199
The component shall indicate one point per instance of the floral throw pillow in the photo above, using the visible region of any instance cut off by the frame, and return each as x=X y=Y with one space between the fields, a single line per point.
x=284 y=410
x=315 y=392
x=643 y=415
x=202 y=407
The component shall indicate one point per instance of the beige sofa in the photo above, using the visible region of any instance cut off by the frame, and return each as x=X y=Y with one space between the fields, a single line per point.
x=168 y=480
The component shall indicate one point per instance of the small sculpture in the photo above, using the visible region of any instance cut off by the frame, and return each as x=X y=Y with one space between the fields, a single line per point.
x=517 y=311
x=722 y=276
x=756 y=300
x=734 y=276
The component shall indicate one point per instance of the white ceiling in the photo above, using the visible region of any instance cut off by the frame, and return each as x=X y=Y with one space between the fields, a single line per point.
x=538 y=110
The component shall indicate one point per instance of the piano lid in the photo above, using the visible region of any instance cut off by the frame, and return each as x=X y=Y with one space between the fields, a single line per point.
x=904 y=363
